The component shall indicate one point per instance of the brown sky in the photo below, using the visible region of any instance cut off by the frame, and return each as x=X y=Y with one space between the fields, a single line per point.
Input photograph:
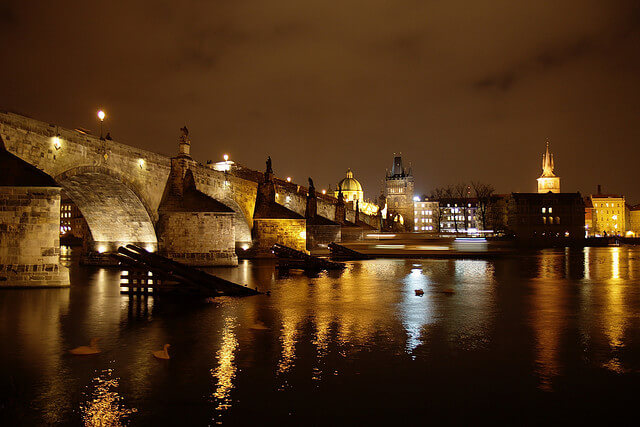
x=466 y=90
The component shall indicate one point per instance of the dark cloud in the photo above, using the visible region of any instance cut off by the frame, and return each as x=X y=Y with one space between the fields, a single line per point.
x=466 y=90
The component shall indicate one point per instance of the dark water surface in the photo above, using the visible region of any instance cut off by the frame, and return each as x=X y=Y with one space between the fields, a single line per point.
x=549 y=336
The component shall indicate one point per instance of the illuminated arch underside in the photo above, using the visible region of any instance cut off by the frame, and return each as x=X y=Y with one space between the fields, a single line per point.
x=114 y=214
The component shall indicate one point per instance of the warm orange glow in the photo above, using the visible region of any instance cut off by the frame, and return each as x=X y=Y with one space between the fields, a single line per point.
x=101 y=115
x=225 y=372
x=288 y=179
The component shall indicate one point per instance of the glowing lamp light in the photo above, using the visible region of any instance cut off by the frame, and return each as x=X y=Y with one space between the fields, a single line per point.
x=101 y=115
x=244 y=246
x=226 y=157
x=303 y=234
x=141 y=163
x=57 y=143
x=102 y=249
x=288 y=179
x=324 y=191
x=416 y=198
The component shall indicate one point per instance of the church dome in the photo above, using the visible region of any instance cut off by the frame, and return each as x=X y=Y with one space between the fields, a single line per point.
x=349 y=183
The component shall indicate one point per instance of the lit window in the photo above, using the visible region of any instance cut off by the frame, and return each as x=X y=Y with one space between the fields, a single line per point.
x=550 y=210
x=544 y=210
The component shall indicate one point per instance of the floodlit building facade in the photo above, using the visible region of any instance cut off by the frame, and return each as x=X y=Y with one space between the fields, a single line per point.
x=351 y=188
x=608 y=215
x=634 y=221
x=425 y=213
x=353 y=192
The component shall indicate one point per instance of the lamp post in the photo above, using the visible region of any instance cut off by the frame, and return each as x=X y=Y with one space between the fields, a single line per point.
x=101 y=116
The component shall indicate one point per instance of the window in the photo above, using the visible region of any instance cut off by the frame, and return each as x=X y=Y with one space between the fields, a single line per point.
x=550 y=210
x=551 y=220
x=544 y=210
x=544 y=219
x=557 y=220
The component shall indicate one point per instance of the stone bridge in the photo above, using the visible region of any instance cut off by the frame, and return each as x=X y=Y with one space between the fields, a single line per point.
x=118 y=188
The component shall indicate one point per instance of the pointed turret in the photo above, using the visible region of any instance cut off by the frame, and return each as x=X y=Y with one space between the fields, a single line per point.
x=548 y=181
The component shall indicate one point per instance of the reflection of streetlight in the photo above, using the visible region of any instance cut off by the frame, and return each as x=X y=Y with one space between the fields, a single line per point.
x=101 y=116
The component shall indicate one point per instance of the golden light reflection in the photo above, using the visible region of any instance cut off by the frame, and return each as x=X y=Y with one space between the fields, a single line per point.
x=288 y=339
x=614 y=315
x=321 y=342
x=225 y=372
x=615 y=263
x=549 y=317
x=104 y=406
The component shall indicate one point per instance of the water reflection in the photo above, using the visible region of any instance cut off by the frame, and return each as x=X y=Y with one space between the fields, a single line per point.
x=103 y=405
x=225 y=372
x=416 y=311
x=513 y=326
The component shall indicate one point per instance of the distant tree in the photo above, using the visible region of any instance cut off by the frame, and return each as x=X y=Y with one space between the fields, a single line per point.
x=461 y=192
x=483 y=193
x=442 y=194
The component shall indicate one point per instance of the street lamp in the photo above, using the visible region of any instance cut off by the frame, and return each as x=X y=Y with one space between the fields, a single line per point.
x=101 y=116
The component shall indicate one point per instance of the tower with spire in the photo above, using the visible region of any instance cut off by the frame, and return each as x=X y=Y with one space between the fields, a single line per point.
x=399 y=186
x=548 y=181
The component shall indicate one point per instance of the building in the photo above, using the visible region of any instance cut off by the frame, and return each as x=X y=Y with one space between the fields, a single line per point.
x=399 y=186
x=547 y=216
x=351 y=188
x=609 y=214
x=353 y=193
x=588 y=217
x=634 y=221
x=72 y=224
x=458 y=215
x=548 y=182
x=425 y=215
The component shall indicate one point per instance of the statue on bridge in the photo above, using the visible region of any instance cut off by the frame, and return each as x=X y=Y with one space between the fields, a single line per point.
x=268 y=174
x=312 y=189
x=184 y=144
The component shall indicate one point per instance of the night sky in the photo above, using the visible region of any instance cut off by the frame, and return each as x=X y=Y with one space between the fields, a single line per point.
x=466 y=90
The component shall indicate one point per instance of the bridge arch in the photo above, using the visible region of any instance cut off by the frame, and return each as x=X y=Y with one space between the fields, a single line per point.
x=115 y=213
x=242 y=226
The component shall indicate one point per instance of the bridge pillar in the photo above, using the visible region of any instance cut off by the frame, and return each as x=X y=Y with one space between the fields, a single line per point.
x=194 y=228
x=273 y=223
x=29 y=226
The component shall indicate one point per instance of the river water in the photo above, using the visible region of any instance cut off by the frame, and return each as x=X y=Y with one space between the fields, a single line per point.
x=551 y=335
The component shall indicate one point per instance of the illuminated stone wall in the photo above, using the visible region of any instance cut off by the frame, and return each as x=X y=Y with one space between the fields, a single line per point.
x=287 y=232
x=319 y=236
x=29 y=237
x=143 y=173
x=198 y=238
